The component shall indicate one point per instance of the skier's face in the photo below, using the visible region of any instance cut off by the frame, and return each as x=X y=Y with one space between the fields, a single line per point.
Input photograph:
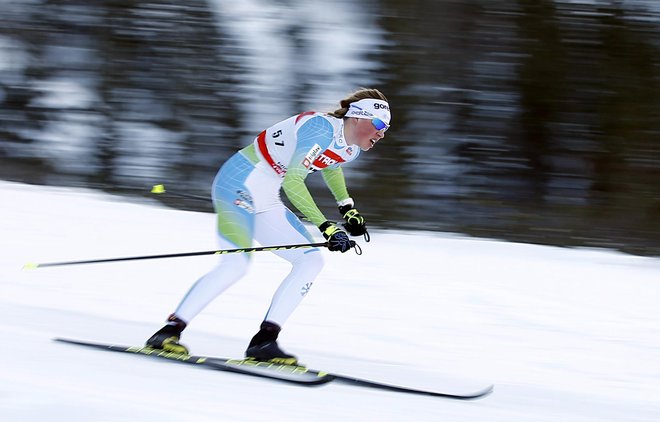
x=365 y=133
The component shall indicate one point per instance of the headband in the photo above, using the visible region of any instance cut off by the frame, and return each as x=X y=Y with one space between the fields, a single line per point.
x=369 y=108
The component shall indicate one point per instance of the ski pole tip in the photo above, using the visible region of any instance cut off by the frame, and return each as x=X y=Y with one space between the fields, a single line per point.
x=30 y=266
x=158 y=189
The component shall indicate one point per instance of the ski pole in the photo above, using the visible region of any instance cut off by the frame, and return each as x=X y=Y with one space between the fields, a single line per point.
x=31 y=266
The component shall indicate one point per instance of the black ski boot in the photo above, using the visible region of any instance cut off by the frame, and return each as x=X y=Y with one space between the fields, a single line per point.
x=167 y=338
x=263 y=346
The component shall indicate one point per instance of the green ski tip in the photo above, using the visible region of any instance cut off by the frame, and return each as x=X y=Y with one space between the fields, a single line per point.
x=30 y=266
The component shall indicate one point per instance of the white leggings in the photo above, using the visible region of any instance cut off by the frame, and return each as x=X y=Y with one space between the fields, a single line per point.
x=249 y=208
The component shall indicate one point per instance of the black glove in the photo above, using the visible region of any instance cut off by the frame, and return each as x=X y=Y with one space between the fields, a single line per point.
x=337 y=238
x=355 y=224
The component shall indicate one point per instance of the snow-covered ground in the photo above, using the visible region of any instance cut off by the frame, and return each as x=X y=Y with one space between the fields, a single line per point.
x=564 y=334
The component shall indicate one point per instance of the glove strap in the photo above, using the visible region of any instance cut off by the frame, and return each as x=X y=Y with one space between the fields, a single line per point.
x=328 y=229
x=353 y=214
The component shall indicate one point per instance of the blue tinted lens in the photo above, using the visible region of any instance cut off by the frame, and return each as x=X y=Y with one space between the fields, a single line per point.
x=379 y=124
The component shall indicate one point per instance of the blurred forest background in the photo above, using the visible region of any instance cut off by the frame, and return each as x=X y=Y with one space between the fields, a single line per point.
x=527 y=120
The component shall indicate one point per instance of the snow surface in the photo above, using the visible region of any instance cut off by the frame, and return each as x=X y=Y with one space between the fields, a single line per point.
x=564 y=334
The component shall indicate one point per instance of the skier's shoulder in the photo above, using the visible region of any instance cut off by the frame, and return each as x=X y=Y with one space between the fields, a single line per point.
x=320 y=126
x=317 y=118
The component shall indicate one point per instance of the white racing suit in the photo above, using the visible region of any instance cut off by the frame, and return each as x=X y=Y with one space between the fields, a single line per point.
x=246 y=197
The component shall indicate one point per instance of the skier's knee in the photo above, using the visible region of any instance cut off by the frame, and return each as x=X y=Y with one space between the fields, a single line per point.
x=312 y=261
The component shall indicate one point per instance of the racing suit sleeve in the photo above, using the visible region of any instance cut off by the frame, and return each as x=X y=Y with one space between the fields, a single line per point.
x=334 y=179
x=314 y=137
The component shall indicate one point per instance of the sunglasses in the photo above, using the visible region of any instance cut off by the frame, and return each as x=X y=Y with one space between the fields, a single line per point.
x=379 y=124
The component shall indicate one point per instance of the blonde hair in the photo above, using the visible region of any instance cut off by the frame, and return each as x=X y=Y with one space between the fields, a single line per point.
x=358 y=95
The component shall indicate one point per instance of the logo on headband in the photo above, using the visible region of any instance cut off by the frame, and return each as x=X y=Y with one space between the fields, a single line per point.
x=361 y=112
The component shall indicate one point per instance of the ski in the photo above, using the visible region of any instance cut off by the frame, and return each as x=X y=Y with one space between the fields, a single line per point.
x=360 y=382
x=288 y=373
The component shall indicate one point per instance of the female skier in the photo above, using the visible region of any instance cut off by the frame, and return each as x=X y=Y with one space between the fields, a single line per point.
x=246 y=197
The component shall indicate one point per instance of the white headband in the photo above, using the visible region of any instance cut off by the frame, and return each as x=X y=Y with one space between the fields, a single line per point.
x=370 y=108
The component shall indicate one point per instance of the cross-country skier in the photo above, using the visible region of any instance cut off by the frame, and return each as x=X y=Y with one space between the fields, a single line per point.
x=246 y=197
